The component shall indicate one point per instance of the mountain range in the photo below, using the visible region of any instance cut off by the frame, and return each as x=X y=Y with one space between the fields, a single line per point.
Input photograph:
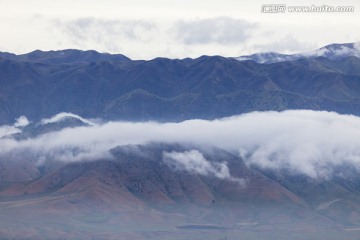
x=91 y=84
x=174 y=189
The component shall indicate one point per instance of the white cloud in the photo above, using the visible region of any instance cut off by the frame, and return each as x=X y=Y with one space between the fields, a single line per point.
x=194 y=161
x=62 y=116
x=21 y=122
x=300 y=141
x=7 y=130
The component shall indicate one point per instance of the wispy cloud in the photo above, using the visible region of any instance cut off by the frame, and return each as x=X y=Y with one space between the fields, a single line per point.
x=6 y=130
x=195 y=162
x=64 y=115
x=286 y=44
x=110 y=33
x=221 y=30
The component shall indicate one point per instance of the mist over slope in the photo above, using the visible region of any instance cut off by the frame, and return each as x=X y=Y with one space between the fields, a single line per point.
x=261 y=173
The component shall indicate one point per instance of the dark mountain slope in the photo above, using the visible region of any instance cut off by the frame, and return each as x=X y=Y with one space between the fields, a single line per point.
x=164 y=89
x=137 y=190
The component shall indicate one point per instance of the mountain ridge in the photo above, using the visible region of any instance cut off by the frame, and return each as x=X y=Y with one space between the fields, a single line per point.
x=64 y=56
x=173 y=90
x=333 y=51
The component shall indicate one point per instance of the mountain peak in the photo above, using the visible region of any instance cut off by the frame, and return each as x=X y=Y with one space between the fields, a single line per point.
x=333 y=52
x=338 y=51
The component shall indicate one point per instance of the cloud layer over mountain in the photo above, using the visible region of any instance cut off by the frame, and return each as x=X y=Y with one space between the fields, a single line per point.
x=299 y=141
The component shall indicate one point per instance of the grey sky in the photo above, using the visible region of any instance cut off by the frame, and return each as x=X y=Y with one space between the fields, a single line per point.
x=143 y=29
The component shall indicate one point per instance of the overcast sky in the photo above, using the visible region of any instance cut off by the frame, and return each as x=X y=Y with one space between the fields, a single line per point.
x=145 y=29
